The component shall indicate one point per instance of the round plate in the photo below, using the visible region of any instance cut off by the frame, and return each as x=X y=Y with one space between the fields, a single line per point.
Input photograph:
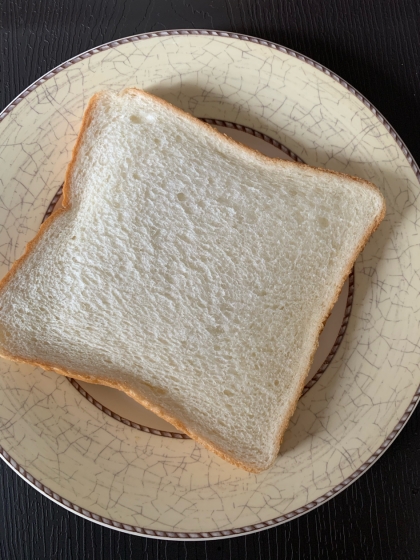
x=101 y=468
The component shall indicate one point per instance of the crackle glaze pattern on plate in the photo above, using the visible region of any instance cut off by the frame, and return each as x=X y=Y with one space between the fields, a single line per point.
x=110 y=473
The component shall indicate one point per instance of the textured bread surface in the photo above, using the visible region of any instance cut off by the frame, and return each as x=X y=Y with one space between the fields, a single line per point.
x=188 y=271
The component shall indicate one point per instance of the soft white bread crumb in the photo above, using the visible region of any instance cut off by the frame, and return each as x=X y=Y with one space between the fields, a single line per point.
x=189 y=271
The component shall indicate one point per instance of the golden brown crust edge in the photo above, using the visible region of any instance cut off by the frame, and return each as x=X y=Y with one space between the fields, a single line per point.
x=263 y=158
x=351 y=261
x=137 y=396
x=87 y=117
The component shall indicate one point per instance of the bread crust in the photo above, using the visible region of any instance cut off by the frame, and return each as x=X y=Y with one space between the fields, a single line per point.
x=137 y=396
x=292 y=407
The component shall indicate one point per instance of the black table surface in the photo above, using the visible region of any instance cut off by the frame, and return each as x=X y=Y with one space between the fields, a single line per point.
x=374 y=45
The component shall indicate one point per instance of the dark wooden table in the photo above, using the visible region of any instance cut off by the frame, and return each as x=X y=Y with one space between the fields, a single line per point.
x=374 y=45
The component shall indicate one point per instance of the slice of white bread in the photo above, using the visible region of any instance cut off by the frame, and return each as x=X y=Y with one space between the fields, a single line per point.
x=189 y=271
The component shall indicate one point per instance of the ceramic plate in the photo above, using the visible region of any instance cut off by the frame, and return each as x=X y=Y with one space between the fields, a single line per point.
x=99 y=454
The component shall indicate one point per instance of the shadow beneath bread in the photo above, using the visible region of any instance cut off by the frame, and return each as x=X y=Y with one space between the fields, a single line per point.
x=195 y=100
